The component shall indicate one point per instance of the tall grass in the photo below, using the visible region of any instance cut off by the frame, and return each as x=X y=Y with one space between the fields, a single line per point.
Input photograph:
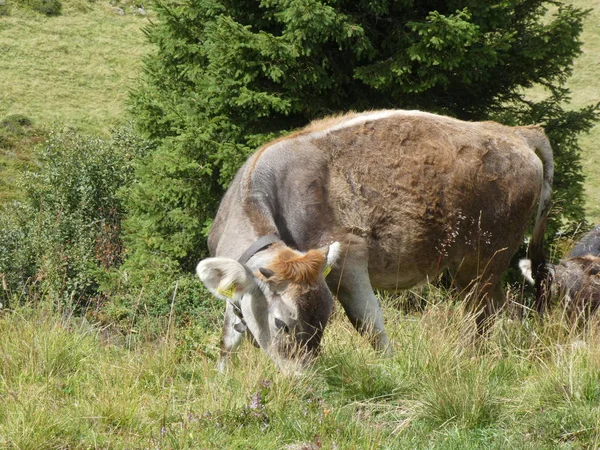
x=67 y=383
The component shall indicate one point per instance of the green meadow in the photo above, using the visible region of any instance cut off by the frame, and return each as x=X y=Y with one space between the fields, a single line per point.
x=72 y=71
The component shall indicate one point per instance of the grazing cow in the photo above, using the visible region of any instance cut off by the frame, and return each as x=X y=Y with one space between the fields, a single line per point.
x=575 y=280
x=383 y=199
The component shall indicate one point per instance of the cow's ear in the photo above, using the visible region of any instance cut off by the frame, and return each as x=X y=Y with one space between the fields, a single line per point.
x=224 y=277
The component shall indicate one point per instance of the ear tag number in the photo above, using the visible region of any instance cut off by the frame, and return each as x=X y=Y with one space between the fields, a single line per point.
x=228 y=291
x=326 y=271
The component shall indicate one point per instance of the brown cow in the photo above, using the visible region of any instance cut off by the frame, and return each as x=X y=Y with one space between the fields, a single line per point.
x=383 y=199
x=575 y=280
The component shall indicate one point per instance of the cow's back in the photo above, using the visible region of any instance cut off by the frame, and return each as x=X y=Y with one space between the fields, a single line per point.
x=428 y=191
x=423 y=191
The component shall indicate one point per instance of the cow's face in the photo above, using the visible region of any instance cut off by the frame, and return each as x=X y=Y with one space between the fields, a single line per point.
x=281 y=295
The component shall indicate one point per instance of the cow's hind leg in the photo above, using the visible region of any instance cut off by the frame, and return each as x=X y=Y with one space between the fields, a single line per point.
x=352 y=286
x=231 y=336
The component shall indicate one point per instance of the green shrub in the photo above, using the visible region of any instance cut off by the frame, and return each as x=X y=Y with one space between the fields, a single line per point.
x=14 y=122
x=14 y=127
x=4 y=8
x=47 y=7
x=142 y=290
x=67 y=231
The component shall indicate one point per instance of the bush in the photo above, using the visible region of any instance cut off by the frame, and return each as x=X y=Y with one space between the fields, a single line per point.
x=47 y=7
x=14 y=127
x=4 y=8
x=67 y=231
x=14 y=123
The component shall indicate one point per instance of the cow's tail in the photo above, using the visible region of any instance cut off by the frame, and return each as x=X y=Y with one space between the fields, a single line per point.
x=537 y=139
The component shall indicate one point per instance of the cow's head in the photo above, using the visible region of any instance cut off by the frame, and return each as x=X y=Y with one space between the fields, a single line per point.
x=574 y=281
x=282 y=296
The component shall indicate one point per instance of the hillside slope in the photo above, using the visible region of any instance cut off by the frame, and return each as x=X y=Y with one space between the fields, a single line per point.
x=71 y=71
x=585 y=87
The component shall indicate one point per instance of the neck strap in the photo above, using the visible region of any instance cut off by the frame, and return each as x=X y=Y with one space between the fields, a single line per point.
x=260 y=244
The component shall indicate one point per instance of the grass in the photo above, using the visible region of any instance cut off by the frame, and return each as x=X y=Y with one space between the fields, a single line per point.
x=67 y=383
x=71 y=71
x=585 y=87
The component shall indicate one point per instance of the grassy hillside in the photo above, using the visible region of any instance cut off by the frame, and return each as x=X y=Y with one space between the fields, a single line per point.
x=67 y=384
x=70 y=71
x=585 y=87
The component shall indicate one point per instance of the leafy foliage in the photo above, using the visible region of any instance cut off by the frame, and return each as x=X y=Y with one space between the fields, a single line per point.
x=46 y=7
x=68 y=228
x=228 y=76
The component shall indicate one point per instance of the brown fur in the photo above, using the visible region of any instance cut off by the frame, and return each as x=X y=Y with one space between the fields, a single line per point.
x=293 y=267
x=590 y=263
x=576 y=282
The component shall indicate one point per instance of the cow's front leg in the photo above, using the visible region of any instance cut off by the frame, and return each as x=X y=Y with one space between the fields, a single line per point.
x=231 y=337
x=351 y=284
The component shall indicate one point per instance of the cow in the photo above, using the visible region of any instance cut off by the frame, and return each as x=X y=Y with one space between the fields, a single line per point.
x=382 y=199
x=575 y=280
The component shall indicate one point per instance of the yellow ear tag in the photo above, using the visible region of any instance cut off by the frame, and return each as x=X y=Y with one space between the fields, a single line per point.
x=326 y=271
x=228 y=291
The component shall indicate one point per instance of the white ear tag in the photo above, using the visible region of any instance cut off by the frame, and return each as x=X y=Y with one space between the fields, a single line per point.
x=228 y=291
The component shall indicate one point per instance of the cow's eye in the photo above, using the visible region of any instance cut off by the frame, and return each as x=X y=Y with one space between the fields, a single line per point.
x=281 y=325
